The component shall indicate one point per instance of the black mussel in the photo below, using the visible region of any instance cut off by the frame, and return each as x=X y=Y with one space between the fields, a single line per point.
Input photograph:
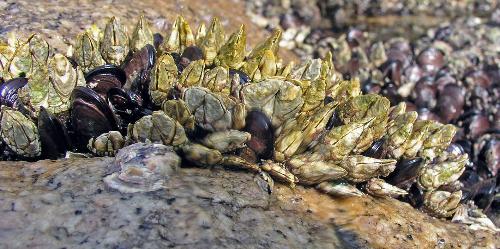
x=485 y=193
x=392 y=70
x=376 y=150
x=260 y=127
x=190 y=54
x=137 y=70
x=405 y=172
x=415 y=196
x=371 y=87
x=390 y=91
x=443 y=79
x=105 y=77
x=8 y=91
x=127 y=105
x=443 y=33
x=478 y=78
x=424 y=93
x=412 y=73
x=431 y=60
x=334 y=121
x=450 y=102
x=426 y=114
x=488 y=154
x=244 y=78
x=475 y=124
x=328 y=99
x=355 y=37
x=455 y=150
x=53 y=135
x=157 y=40
x=90 y=116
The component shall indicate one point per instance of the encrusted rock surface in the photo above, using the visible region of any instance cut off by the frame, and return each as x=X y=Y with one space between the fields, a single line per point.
x=65 y=203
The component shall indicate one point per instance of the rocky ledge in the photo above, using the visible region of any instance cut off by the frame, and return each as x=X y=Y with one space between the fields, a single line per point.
x=65 y=203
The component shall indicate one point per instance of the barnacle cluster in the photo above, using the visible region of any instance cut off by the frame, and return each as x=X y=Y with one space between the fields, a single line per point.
x=216 y=103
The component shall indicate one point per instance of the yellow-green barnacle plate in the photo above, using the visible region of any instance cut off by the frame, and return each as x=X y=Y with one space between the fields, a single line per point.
x=178 y=110
x=19 y=133
x=87 y=54
x=208 y=108
x=438 y=141
x=419 y=134
x=114 y=45
x=180 y=37
x=340 y=141
x=345 y=90
x=157 y=128
x=212 y=41
x=192 y=75
x=63 y=79
x=399 y=132
x=279 y=99
x=434 y=175
x=360 y=168
x=164 y=76
x=233 y=52
x=36 y=92
x=217 y=80
x=142 y=35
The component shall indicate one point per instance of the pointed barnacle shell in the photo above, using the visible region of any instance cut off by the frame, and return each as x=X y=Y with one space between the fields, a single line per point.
x=143 y=168
x=87 y=54
x=360 y=168
x=192 y=75
x=438 y=141
x=399 y=130
x=271 y=43
x=63 y=78
x=233 y=52
x=163 y=77
x=180 y=37
x=201 y=32
x=27 y=56
x=344 y=90
x=142 y=35
x=114 y=45
x=434 y=175
x=36 y=92
x=316 y=92
x=217 y=80
x=212 y=41
x=178 y=110
x=19 y=133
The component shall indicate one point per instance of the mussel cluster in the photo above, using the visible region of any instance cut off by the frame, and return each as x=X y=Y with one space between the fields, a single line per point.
x=450 y=73
x=217 y=104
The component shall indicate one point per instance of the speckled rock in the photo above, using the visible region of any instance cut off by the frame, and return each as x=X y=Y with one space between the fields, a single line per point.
x=65 y=203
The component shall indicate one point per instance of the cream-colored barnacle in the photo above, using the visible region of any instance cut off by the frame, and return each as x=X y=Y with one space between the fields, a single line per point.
x=157 y=128
x=87 y=54
x=63 y=78
x=233 y=52
x=114 y=45
x=180 y=37
x=142 y=35
x=213 y=40
x=163 y=77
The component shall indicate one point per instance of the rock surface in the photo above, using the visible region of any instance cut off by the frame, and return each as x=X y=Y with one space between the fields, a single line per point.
x=65 y=203
x=59 y=21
